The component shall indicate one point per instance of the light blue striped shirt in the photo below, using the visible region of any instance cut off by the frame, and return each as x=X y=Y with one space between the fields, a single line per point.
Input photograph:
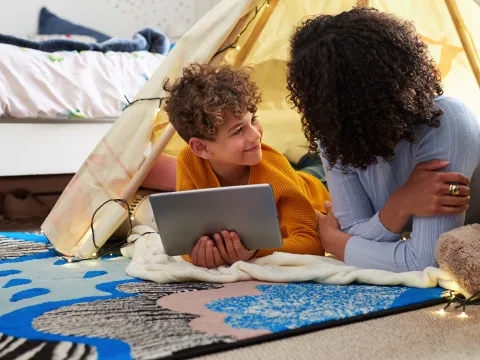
x=359 y=195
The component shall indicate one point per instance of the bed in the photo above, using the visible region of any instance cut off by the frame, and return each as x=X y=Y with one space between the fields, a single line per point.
x=56 y=105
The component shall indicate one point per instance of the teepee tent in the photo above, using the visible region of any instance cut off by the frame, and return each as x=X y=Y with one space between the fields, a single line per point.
x=240 y=32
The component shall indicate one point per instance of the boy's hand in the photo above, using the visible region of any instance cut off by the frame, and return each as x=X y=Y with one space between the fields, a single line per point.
x=205 y=254
x=231 y=248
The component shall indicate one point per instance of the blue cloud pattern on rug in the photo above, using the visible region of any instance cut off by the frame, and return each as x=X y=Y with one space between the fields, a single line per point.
x=289 y=306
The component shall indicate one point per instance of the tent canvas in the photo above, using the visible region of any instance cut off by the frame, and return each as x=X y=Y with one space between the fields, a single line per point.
x=259 y=31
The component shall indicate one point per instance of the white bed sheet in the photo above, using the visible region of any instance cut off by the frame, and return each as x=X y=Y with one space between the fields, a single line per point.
x=70 y=84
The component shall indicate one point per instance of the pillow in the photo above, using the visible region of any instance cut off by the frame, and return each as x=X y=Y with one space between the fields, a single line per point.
x=82 y=38
x=163 y=174
x=51 y=24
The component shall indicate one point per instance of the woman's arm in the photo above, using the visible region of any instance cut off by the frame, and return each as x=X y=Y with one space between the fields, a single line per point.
x=426 y=193
x=457 y=141
x=353 y=208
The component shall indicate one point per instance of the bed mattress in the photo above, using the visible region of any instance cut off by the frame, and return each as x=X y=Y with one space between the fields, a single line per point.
x=69 y=85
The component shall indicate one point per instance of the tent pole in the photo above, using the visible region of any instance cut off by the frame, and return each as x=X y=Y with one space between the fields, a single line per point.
x=147 y=164
x=363 y=3
x=465 y=38
x=240 y=58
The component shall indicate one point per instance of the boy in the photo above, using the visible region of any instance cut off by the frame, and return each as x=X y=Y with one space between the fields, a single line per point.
x=213 y=110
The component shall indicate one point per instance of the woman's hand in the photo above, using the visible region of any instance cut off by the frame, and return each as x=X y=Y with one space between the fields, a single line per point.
x=205 y=254
x=426 y=193
x=231 y=248
x=332 y=238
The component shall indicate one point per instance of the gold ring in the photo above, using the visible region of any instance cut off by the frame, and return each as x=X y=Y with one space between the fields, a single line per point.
x=454 y=190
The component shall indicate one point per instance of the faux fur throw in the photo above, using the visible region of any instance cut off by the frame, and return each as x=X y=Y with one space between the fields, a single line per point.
x=458 y=253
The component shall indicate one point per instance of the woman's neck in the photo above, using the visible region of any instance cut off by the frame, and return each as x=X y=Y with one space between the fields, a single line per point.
x=231 y=175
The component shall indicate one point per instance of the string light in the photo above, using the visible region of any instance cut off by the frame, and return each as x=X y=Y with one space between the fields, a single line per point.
x=124 y=243
x=233 y=45
x=441 y=312
x=461 y=301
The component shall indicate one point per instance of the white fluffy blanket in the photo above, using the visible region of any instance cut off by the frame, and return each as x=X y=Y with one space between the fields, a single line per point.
x=149 y=262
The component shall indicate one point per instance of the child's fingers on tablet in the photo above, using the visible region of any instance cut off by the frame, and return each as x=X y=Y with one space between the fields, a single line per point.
x=238 y=246
x=217 y=257
x=221 y=247
x=194 y=254
x=209 y=258
x=201 y=253
x=230 y=248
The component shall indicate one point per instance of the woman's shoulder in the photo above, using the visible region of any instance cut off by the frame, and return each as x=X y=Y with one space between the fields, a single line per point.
x=456 y=114
x=457 y=123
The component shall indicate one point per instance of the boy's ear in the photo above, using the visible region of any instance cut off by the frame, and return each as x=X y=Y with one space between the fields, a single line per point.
x=200 y=148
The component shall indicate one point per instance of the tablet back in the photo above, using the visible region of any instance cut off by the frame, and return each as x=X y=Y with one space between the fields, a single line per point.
x=183 y=217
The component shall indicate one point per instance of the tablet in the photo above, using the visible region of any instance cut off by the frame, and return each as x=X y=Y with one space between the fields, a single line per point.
x=184 y=217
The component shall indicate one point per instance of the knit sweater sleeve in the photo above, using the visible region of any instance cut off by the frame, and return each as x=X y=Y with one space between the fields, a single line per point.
x=299 y=229
x=353 y=208
x=296 y=213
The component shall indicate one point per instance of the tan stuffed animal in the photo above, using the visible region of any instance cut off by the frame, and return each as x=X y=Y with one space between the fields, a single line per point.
x=458 y=253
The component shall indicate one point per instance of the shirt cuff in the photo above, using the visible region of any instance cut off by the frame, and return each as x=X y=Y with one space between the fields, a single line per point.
x=374 y=230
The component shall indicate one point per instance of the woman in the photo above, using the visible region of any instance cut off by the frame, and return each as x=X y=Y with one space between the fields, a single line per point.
x=398 y=155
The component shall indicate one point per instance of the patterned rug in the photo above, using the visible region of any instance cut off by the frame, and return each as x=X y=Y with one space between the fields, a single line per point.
x=92 y=310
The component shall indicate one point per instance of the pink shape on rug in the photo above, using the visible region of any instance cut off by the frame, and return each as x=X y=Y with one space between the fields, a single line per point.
x=211 y=322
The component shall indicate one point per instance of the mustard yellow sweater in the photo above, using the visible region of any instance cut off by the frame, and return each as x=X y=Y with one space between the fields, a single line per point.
x=296 y=194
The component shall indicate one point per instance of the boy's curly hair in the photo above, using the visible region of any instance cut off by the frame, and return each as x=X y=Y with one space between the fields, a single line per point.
x=203 y=94
x=363 y=81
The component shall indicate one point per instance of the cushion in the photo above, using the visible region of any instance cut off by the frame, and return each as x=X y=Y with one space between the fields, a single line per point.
x=51 y=24
x=163 y=174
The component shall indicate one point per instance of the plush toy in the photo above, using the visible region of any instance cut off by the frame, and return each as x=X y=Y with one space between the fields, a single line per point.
x=458 y=253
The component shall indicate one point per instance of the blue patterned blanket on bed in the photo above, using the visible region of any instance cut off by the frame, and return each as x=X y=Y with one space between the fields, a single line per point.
x=145 y=40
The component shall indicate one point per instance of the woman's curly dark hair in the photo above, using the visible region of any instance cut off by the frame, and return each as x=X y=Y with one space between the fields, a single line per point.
x=363 y=81
x=201 y=96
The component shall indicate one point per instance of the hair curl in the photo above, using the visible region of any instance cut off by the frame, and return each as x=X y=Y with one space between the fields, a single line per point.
x=200 y=98
x=363 y=81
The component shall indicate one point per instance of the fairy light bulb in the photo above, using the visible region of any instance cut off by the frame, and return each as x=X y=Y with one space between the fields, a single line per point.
x=463 y=315
x=132 y=218
x=69 y=260
x=238 y=48
x=268 y=4
x=441 y=312
x=94 y=254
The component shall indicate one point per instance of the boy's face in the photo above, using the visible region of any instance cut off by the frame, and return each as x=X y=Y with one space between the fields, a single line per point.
x=237 y=142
